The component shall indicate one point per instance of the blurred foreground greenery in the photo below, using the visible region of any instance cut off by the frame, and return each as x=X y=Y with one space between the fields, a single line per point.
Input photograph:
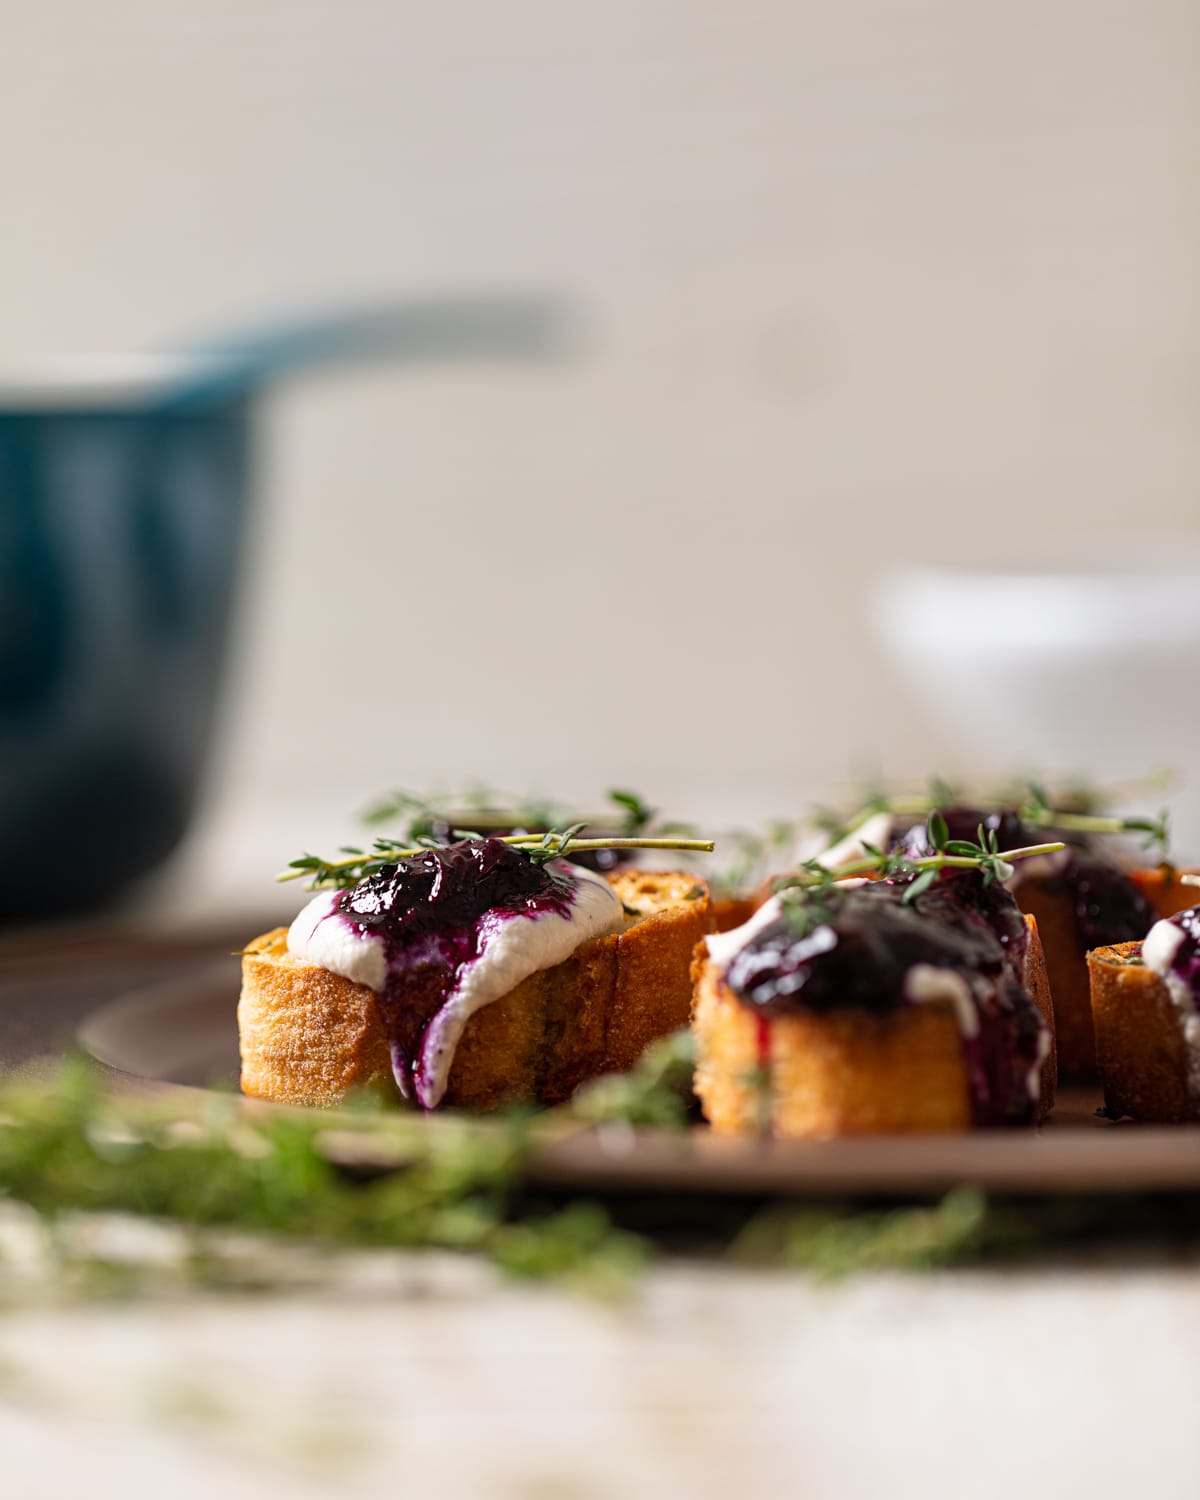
x=260 y=1198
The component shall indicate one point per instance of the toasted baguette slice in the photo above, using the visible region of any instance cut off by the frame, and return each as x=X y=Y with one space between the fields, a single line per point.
x=1143 y=1059
x=732 y=911
x=844 y=1073
x=1037 y=982
x=1066 y=957
x=309 y=1036
x=1053 y=909
x=1164 y=890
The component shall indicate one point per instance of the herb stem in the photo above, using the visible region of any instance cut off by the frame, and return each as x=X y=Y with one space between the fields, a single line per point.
x=867 y=865
x=555 y=844
x=694 y=846
x=1077 y=822
x=1032 y=808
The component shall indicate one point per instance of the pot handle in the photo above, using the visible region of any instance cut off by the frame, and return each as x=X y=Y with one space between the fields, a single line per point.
x=425 y=331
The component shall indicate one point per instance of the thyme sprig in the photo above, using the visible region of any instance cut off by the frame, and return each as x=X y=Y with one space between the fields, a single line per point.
x=261 y=1201
x=813 y=881
x=1036 y=810
x=628 y=816
x=74 y=1145
x=1079 y=811
x=357 y=864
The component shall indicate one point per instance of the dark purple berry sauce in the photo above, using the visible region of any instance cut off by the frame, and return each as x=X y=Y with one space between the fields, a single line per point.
x=857 y=950
x=965 y=823
x=1109 y=906
x=964 y=897
x=427 y=911
x=496 y=824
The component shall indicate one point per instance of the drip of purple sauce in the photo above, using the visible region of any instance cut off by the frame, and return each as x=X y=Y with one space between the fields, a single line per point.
x=427 y=911
x=1109 y=907
x=861 y=956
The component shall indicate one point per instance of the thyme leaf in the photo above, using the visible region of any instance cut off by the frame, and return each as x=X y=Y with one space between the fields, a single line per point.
x=814 y=879
x=1077 y=810
x=417 y=817
x=344 y=873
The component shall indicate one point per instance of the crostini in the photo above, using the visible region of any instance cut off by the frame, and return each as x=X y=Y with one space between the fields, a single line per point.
x=872 y=1007
x=1146 y=1009
x=471 y=974
x=1081 y=898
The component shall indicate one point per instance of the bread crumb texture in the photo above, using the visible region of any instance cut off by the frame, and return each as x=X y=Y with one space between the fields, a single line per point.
x=311 y=1037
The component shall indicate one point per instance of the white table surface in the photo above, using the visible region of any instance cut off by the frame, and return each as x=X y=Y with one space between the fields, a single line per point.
x=424 y=1376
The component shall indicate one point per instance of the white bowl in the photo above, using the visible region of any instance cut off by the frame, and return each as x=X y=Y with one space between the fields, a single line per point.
x=1094 y=673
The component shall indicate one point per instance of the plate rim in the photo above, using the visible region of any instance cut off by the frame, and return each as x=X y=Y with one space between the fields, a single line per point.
x=1059 y=1159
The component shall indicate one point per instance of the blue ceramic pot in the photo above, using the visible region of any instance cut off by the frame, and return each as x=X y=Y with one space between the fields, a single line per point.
x=121 y=517
x=119 y=533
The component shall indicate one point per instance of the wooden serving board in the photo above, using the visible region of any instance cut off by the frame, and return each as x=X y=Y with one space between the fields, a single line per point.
x=182 y=1036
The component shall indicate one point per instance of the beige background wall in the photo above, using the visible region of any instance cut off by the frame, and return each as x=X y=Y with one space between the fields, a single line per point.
x=855 y=284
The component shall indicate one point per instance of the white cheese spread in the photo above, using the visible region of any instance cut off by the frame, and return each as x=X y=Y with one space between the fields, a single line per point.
x=1159 y=948
x=511 y=947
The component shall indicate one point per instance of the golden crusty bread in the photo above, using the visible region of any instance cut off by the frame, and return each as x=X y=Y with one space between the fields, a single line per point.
x=732 y=911
x=1164 y=890
x=309 y=1036
x=843 y=1073
x=1066 y=956
x=1054 y=911
x=1037 y=982
x=1141 y=1054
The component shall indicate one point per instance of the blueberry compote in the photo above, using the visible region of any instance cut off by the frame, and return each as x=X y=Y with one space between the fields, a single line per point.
x=495 y=824
x=429 y=912
x=1109 y=907
x=965 y=898
x=858 y=948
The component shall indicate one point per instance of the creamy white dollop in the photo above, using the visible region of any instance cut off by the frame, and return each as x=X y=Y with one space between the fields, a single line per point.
x=511 y=948
x=321 y=936
x=723 y=947
x=927 y=984
x=1159 y=948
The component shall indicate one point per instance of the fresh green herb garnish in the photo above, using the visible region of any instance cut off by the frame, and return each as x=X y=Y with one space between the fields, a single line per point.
x=73 y=1145
x=1078 y=810
x=357 y=864
x=628 y=816
x=637 y=816
x=657 y=1091
x=831 y=1244
x=71 y=1149
x=1037 y=810
x=808 y=894
x=1122 y=960
x=76 y=1146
